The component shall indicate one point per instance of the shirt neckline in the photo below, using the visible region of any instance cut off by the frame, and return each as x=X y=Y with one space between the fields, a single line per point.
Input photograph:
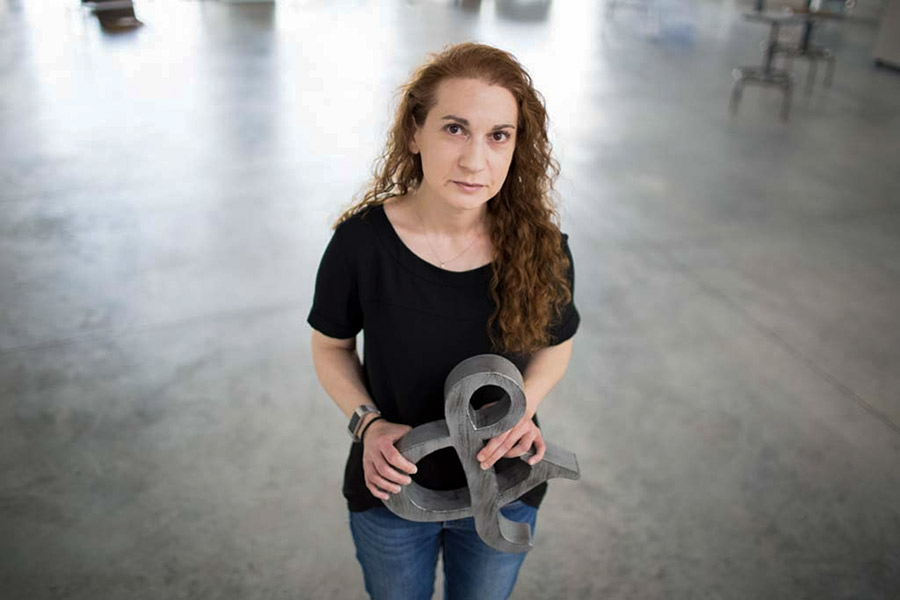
x=416 y=263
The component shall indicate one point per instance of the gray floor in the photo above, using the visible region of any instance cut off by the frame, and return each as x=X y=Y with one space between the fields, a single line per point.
x=165 y=195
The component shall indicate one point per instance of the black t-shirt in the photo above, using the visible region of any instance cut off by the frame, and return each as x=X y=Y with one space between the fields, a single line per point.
x=418 y=322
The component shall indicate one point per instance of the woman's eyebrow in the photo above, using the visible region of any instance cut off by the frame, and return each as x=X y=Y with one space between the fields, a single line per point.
x=465 y=122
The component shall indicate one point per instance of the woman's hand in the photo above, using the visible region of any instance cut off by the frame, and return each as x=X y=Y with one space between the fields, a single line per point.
x=544 y=370
x=514 y=443
x=383 y=465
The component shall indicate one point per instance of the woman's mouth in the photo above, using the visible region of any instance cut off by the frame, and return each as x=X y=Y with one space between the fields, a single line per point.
x=468 y=187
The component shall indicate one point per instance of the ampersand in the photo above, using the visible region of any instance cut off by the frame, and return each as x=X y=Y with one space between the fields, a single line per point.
x=466 y=429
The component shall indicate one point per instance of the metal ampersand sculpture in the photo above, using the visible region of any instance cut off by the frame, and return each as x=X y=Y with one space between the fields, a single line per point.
x=466 y=430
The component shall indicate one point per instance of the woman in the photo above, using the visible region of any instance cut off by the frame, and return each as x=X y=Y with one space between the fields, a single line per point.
x=453 y=251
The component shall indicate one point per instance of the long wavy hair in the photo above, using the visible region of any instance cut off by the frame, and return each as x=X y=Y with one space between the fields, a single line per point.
x=529 y=285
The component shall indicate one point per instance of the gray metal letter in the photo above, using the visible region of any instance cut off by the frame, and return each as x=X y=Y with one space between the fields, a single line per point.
x=466 y=429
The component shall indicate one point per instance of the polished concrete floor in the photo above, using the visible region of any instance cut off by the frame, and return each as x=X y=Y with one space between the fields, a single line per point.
x=165 y=195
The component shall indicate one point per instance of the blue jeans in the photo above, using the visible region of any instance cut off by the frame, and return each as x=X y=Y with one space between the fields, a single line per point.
x=398 y=557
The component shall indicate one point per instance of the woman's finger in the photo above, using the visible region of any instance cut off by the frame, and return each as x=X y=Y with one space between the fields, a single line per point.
x=510 y=440
x=383 y=484
x=398 y=461
x=378 y=485
x=540 y=448
x=490 y=449
x=380 y=494
x=387 y=472
x=522 y=446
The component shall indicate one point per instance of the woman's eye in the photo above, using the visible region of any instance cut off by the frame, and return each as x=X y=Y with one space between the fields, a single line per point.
x=453 y=128
x=501 y=136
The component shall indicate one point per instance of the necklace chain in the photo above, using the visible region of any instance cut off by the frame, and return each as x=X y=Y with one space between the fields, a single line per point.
x=442 y=262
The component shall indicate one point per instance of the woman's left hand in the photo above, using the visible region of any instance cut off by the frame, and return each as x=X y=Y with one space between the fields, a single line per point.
x=514 y=443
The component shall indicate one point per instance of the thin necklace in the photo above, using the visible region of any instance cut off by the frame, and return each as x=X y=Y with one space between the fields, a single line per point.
x=442 y=262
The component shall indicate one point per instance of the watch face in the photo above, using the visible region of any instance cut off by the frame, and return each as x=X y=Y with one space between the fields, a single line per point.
x=356 y=419
x=354 y=424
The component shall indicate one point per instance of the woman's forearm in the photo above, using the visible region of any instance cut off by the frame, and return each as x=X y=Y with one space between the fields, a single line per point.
x=340 y=372
x=546 y=368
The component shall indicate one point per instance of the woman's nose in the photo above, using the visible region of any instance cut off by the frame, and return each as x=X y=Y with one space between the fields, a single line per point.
x=474 y=156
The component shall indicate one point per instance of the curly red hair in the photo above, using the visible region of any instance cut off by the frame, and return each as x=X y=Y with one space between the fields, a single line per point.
x=529 y=285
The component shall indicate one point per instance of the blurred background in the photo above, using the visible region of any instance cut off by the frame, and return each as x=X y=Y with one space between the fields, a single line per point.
x=169 y=170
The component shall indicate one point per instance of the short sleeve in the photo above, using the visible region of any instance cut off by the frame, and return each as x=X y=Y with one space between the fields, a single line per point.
x=336 y=310
x=569 y=319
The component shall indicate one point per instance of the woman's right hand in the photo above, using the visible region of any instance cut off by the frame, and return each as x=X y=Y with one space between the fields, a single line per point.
x=384 y=467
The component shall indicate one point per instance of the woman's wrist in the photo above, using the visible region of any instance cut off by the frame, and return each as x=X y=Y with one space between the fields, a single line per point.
x=362 y=433
x=359 y=418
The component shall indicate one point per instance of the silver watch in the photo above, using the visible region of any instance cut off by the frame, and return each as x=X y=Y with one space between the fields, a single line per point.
x=356 y=419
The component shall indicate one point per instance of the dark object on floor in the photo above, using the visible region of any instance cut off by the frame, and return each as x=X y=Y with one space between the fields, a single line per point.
x=887 y=44
x=114 y=15
x=809 y=51
x=766 y=75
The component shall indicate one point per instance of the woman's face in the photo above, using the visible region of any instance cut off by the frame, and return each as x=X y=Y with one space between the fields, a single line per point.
x=466 y=143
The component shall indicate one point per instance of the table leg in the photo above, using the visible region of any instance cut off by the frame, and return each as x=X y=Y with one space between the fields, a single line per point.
x=770 y=49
